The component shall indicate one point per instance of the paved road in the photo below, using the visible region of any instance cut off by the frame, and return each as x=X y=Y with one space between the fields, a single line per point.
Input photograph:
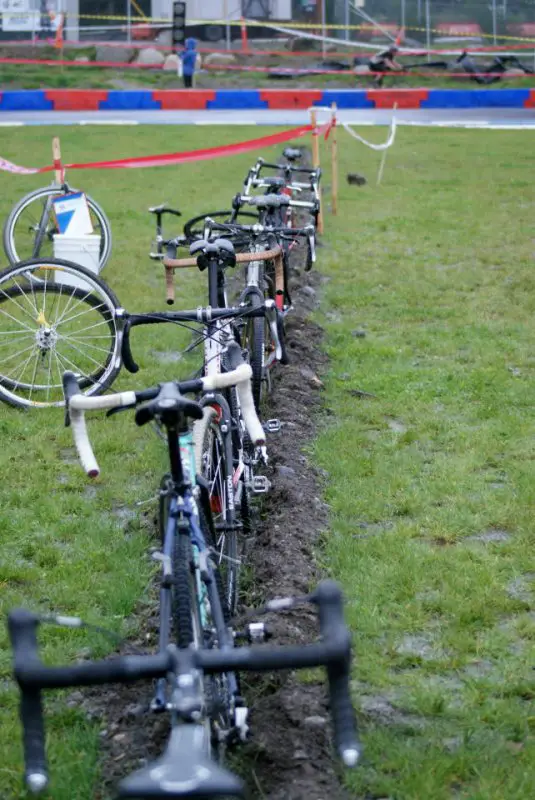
x=478 y=117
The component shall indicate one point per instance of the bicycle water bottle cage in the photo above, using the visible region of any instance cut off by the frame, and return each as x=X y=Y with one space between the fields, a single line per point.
x=168 y=405
x=292 y=153
x=220 y=250
x=183 y=771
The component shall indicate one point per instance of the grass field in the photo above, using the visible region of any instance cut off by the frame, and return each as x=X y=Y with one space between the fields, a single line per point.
x=431 y=479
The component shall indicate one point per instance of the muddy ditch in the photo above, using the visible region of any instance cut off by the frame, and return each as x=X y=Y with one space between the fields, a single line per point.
x=289 y=756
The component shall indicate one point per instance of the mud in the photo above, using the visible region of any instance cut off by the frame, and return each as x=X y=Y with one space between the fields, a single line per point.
x=289 y=755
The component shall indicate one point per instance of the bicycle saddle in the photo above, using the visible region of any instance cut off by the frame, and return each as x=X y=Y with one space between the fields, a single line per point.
x=169 y=401
x=164 y=209
x=205 y=251
x=184 y=770
x=292 y=153
x=270 y=200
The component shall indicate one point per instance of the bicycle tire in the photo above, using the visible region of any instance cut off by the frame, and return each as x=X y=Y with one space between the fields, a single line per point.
x=183 y=593
x=23 y=298
x=10 y=248
x=219 y=478
x=254 y=341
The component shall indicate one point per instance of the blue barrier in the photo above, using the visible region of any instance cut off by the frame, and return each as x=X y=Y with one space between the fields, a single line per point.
x=25 y=100
x=476 y=98
x=229 y=99
x=235 y=99
x=346 y=98
x=129 y=101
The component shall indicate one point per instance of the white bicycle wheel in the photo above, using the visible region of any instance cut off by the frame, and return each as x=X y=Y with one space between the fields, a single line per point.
x=30 y=227
x=55 y=316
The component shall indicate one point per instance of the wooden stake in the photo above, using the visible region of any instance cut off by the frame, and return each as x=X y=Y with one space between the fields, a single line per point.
x=334 y=162
x=56 y=160
x=316 y=160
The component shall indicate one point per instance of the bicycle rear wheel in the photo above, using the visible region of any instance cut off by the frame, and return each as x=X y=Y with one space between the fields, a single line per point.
x=55 y=316
x=30 y=227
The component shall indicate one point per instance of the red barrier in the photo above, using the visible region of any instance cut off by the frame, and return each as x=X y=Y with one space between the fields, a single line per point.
x=403 y=98
x=530 y=102
x=76 y=100
x=291 y=98
x=169 y=159
x=176 y=99
x=56 y=62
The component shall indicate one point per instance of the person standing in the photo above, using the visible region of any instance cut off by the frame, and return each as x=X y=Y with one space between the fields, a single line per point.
x=190 y=59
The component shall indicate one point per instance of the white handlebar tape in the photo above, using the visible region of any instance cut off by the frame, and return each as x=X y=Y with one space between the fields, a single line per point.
x=241 y=379
x=80 y=403
x=250 y=417
x=223 y=380
x=83 y=445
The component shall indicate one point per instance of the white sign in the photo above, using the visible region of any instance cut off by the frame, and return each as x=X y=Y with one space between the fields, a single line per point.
x=72 y=214
x=21 y=22
x=17 y=16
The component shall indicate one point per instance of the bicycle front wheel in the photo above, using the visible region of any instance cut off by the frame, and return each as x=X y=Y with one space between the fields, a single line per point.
x=55 y=316
x=30 y=227
x=213 y=460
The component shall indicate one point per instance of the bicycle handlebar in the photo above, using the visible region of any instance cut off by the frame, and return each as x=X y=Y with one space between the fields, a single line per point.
x=273 y=201
x=77 y=404
x=333 y=651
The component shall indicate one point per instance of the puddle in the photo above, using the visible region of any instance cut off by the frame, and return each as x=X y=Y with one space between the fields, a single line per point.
x=521 y=589
x=492 y=535
x=167 y=356
x=396 y=426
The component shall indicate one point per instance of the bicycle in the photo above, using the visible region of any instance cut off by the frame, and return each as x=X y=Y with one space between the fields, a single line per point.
x=188 y=766
x=55 y=316
x=30 y=227
x=266 y=279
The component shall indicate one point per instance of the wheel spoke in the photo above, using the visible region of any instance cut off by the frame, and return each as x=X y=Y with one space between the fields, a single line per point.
x=84 y=355
x=16 y=319
x=98 y=308
x=69 y=308
x=69 y=339
x=17 y=381
x=19 y=353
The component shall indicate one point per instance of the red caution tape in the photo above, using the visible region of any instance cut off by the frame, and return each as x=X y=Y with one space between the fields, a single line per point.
x=174 y=158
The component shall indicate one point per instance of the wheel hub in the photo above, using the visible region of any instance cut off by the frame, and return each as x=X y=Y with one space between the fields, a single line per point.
x=46 y=338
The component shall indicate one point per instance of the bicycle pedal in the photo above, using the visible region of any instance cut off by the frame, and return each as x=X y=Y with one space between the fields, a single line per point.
x=260 y=484
x=240 y=716
x=272 y=425
x=258 y=632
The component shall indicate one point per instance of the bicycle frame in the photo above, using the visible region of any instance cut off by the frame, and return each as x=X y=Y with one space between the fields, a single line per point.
x=183 y=520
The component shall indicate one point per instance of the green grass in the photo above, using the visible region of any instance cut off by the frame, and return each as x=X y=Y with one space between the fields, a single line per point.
x=436 y=265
